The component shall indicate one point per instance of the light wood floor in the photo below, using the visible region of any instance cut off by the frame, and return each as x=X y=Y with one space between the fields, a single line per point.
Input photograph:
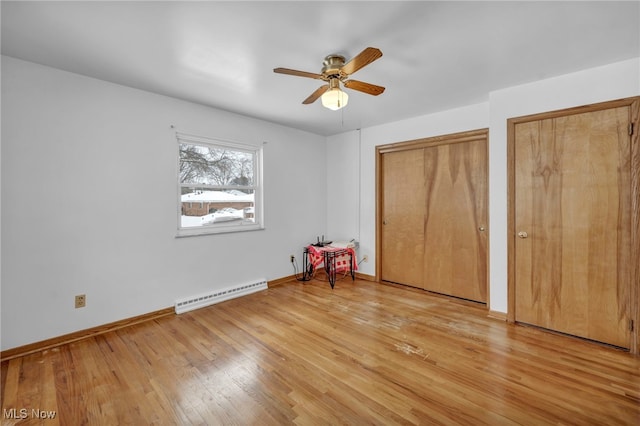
x=300 y=353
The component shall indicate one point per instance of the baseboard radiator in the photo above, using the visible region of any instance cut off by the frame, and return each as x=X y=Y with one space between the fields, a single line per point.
x=200 y=301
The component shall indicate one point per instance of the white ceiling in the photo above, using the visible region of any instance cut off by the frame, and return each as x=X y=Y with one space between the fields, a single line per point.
x=436 y=55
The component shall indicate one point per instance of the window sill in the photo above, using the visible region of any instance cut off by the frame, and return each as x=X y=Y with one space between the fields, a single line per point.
x=196 y=232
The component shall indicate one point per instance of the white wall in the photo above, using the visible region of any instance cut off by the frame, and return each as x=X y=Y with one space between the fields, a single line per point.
x=89 y=203
x=343 y=186
x=614 y=81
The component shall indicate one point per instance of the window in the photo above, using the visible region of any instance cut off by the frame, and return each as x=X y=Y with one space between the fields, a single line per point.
x=219 y=186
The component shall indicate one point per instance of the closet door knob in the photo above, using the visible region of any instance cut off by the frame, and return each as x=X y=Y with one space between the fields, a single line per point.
x=522 y=234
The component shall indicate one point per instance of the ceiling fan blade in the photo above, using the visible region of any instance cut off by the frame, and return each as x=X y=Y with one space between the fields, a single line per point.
x=297 y=73
x=368 y=88
x=315 y=95
x=362 y=59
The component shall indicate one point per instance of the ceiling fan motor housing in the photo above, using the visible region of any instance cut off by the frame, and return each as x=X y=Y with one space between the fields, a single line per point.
x=332 y=65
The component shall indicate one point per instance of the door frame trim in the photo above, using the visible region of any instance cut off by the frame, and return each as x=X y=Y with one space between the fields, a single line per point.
x=466 y=136
x=634 y=292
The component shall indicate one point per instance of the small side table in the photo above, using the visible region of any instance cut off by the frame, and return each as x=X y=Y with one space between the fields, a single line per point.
x=334 y=259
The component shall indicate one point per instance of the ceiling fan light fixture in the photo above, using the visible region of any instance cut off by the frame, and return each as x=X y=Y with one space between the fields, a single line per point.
x=334 y=98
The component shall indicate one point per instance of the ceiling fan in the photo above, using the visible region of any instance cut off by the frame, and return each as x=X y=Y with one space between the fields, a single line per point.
x=335 y=71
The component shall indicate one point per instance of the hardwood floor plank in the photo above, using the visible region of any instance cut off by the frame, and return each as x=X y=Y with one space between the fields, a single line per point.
x=301 y=353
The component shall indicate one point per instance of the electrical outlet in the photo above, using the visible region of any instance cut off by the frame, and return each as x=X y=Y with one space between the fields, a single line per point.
x=365 y=258
x=81 y=301
x=292 y=258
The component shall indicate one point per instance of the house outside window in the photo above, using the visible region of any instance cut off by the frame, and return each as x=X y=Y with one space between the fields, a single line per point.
x=219 y=186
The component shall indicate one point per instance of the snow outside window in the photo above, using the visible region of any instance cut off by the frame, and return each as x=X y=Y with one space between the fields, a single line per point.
x=219 y=186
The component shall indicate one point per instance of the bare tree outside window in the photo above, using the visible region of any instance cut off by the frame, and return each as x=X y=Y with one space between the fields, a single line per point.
x=215 y=166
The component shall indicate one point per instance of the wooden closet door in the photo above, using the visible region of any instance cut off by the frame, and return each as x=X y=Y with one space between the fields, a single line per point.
x=402 y=231
x=433 y=214
x=573 y=222
x=455 y=261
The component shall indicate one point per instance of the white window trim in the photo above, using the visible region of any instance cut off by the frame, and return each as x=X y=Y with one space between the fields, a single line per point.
x=257 y=224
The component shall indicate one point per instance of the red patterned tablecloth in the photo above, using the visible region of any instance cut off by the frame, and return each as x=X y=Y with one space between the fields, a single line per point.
x=316 y=257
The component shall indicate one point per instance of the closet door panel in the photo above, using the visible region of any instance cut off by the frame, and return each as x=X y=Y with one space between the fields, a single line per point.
x=455 y=261
x=402 y=230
